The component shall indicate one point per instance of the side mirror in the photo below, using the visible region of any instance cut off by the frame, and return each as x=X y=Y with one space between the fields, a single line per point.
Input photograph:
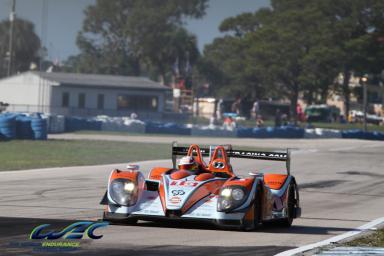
x=133 y=167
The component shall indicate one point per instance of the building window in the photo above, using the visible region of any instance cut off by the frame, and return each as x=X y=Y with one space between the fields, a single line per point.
x=100 y=101
x=81 y=100
x=65 y=100
x=137 y=103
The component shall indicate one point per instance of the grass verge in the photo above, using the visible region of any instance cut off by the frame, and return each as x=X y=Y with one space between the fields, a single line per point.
x=374 y=240
x=19 y=155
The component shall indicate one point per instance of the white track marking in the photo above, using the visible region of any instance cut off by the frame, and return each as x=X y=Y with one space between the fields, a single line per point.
x=365 y=227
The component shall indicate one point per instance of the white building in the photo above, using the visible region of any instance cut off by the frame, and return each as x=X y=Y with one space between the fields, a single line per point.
x=84 y=94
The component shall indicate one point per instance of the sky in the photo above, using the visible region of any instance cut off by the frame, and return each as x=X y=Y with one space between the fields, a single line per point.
x=59 y=24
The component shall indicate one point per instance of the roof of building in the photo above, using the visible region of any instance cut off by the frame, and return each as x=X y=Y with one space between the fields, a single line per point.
x=101 y=80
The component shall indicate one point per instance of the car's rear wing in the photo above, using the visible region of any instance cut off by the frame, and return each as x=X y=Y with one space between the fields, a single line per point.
x=234 y=153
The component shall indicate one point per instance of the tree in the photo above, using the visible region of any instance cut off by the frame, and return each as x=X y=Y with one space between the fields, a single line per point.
x=26 y=45
x=225 y=64
x=356 y=27
x=127 y=36
x=299 y=47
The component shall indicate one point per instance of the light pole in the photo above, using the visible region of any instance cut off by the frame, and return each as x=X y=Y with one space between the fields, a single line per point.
x=11 y=30
x=364 y=79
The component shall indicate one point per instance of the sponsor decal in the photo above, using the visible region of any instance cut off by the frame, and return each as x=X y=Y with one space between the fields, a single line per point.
x=184 y=183
x=43 y=239
x=175 y=200
x=73 y=231
x=259 y=154
x=178 y=192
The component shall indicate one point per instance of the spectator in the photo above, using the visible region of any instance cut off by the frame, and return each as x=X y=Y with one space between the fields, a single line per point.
x=255 y=110
x=235 y=108
x=278 y=118
x=300 y=113
x=284 y=119
x=229 y=124
x=220 y=109
x=259 y=121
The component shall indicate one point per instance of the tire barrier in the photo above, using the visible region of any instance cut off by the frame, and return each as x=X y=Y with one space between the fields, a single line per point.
x=22 y=126
x=39 y=128
x=77 y=124
x=320 y=133
x=167 y=128
x=212 y=132
x=25 y=127
x=127 y=125
x=359 y=134
x=288 y=132
x=56 y=124
x=8 y=126
x=243 y=132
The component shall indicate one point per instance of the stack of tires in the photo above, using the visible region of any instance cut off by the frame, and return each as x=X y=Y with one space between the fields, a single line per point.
x=24 y=128
x=7 y=127
x=19 y=126
x=39 y=128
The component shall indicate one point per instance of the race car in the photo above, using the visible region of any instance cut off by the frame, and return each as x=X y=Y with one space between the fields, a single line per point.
x=210 y=192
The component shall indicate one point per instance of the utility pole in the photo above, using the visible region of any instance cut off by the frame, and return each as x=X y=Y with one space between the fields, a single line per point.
x=11 y=31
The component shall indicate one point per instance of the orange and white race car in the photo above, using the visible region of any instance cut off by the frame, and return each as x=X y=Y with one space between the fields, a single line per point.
x=211 y=192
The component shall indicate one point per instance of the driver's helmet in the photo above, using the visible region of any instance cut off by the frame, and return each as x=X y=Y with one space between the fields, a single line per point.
x=188 y=163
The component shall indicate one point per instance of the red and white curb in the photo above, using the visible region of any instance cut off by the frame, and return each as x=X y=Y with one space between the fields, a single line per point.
x=334 y=239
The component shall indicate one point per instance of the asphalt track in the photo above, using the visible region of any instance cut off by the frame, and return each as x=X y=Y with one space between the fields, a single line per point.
x=341 y=188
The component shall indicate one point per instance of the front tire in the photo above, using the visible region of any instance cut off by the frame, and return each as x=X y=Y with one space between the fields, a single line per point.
x=129 y=221
x=250 y=225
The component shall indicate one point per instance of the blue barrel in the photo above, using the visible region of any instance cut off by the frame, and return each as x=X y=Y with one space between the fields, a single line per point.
x=39 y=128
x=8 y=126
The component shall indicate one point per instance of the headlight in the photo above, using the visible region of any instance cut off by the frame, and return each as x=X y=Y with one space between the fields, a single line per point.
x=226 y=192
x=129 y=187
x=123 y=192
x=231 y=198
x=238 y=194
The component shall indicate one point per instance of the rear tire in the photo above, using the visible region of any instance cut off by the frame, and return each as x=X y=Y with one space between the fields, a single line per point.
x=287 y=222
